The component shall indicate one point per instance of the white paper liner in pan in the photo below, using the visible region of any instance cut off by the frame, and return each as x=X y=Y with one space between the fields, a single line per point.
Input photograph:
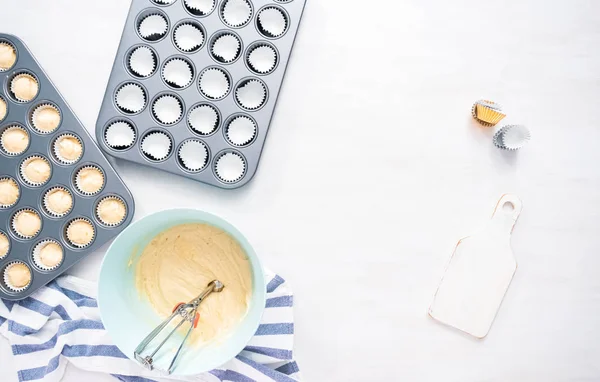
x=35 y=170
x=156 y=146
x=226 y=48
x=204 y=119
x=178 y=73
x=167 y=109
x=512 y=137
x=24 y=87
x=193 y=155
x=26 y=223
x=58 y=201
x=130 y=98
x=188 y=37
x=4 y=245
x=142 y=61
x=8 y=56
x=68 y=148
x=10 y=192
x=262 y=58
x=236 y=13
x=111 y=211
x=45 y=118
x=230 y=167
x=90 y=180
x=14 y=140
x=24 y=273
x=119 y=135
x=272 y=22
x=153 y=27
x=80 y=232
x=251 y=94
x=163 y=2
x=48 y=255
x=199 y=7
x=214 y=83
x=3 y=108
x=240 y=131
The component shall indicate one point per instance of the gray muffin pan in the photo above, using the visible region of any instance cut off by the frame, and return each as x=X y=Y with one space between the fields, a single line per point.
x=188 y=139
x=30 y=197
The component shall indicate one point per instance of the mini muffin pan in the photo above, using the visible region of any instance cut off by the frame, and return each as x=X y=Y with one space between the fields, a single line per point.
x=32 y=197
x=194 y=85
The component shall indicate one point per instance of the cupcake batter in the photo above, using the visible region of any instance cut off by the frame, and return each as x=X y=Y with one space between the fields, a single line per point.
x=24 y=87
x=111 y=211
x=46 y=118
x=36 y=170
x=58 y=201
x=90 y=180
x=4 y=245
x=9 y=192
x=50 y=255
x=27 y=223
x=3 y=109
x=179 y=263
x=17 y=276
x=80 y=233
x=8 y=56
x=15 y=140
x=68 y=148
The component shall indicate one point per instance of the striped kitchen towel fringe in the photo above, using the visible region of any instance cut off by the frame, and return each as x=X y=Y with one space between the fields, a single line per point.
x=60 y=324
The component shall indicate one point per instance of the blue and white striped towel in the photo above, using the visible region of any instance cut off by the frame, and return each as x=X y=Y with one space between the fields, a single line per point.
x=60 y=324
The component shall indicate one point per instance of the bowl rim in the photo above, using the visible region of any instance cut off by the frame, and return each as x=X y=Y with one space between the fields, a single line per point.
x=238 y=236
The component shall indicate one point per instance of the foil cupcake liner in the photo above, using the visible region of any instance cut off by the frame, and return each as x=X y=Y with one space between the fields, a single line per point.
x=8 y=56
x=46 y=203
x=193 y=155
x=163 y=2
x=9 y=203
x=156 y=146
x=199 y=7
x=272 y=22
x=188 y=37
x=72 y=240
x=240 y=131
x=230 y=167
x=4 y=140
x=16 y=231
x=131 y=98
x=153 y=27
x=3 y=108
x=56 y=148
x=29 y=80
x=119 y=135
x=236 y=13
x=36 y=255
x=511 y=137
x=102 y=202
x=4 y=245
x=251 y=94
x=178 y=73
x=142 y=62
x=262 y=58
x=26 y=178
x=78 y=181
x=214 y=83
x=167 y=109
x=8 y=284
x=487 y=113
x=226 y=47
x=204 y=119
x=45 y=118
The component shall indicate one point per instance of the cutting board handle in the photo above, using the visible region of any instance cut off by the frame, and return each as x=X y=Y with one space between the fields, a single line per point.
x=506 y=213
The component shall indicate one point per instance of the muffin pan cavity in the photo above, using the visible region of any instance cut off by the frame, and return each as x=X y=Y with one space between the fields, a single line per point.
x=43 y=149
x=197 y=81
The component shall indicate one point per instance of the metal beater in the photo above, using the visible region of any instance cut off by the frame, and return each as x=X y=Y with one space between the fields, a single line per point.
x=189 y=313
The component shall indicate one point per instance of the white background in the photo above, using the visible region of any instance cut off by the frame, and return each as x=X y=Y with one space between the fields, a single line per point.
x=373 y=170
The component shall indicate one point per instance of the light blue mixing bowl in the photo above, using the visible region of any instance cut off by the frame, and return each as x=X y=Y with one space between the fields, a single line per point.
x=129 y=318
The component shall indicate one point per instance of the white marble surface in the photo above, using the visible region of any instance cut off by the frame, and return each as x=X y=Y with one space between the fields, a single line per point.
x=374 y=169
